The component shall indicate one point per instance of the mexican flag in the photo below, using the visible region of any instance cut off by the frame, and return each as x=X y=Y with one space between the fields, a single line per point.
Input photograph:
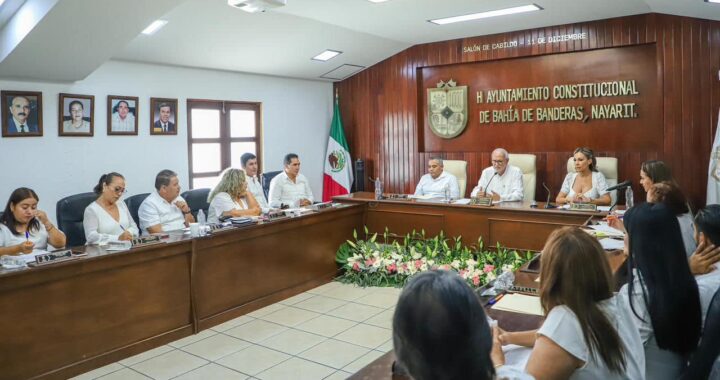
x=338 y=175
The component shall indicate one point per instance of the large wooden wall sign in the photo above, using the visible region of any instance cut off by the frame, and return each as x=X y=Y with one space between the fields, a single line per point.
x=608 y=99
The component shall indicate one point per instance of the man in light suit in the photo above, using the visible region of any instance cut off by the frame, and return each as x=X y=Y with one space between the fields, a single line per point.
x=18 y=122
x=163 y=124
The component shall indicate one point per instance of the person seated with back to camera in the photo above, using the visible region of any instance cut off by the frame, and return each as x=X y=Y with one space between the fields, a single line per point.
x=231 y=197
x=670 y=194
x=501 y=181
x=586 y=184
x=24 y=227
x=164 y=209
x=108 y=218
x=437 y=180
x=440 y=332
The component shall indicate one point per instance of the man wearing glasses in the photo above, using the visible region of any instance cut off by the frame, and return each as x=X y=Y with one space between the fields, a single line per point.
x=501 y=181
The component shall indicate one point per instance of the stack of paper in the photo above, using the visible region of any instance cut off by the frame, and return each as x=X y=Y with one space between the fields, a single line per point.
x=519 y=303
x=607 y=230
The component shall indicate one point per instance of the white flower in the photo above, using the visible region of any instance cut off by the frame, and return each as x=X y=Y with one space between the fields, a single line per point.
x=471 y=263
x=431 y=262
x=376 y=254
x=491 y=276
x=507 y=268
x=400 y=268
x=423 y=267
x=455 y=264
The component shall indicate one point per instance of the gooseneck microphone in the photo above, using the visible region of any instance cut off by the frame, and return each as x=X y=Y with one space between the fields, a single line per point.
x=549 y=193
x=488 y=184
x=620 y=185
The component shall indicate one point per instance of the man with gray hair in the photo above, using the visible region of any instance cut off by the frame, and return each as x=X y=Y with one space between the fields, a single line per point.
x=435 y=182
x=501 y=181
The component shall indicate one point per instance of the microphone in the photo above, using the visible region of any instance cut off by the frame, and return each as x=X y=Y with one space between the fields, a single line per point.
x=620 y=185
x=549 y=193
x=488 y=184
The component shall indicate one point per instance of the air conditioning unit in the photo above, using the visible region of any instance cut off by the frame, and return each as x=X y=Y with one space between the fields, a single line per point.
x=255 y=6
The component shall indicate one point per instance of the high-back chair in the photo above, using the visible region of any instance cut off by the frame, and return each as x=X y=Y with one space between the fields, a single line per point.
x=133 y=204
x=70 y=212
x=608 y=166
x=197 y=200
x=266 y=178
x=527 y=163
x=707 y=352
x=458 y=168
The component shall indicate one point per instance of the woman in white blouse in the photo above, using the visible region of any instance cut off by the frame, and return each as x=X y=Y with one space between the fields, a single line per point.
x=231 y=197
x=23 y=227
x=108 y=219
x=587 y=333
x=587 y=184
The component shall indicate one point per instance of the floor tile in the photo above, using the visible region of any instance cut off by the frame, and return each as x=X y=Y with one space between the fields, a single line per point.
x=253 y=359
x=290 y=316
x=324 y=288
x=365 y=335
x=347 y=292
x=256 y=331
x=355 y=312
x=292 y=341
x=320 y=304
x=326 y=325
x=193 y=338
x=102 y=371
x=169 y=365
x=212 y=371
x=125 y=374
x=215 y=347
x=379 y=299
x=387 y=290
x=383 y=319
x=266 y=310
x=233 y=323
x=334 y=353
x=145 y=355
x=296 y=369
x=297 y=298
x=339 y=375
x=385 y=347
x=362 y=361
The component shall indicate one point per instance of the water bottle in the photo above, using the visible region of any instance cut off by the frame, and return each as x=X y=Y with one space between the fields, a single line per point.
x=446 y=193
x=201 y=221
x=378 y=189
x=629 y=201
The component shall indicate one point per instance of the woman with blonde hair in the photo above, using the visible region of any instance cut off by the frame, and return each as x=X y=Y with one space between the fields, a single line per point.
x=231 y=198
x=586 y=334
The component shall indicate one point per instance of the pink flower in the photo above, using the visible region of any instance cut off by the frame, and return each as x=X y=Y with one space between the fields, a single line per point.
x=369 y=262
x=462 y=273
x=445 y=267
x=356 y=267
x=391 y=268
x=476 y=280
x=418 y=264
x=488 y=268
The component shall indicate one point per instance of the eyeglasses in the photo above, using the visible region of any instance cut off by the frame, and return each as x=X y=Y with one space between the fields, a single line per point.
x=119 y=190
x=498 y=162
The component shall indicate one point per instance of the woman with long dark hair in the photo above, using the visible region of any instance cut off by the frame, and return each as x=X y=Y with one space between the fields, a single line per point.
x=586 y=184
x=661 y=292
x=587 y=333
x=24 y=227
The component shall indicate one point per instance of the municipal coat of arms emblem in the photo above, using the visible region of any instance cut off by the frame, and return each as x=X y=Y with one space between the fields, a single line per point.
x=336 y=159
x=447 y=109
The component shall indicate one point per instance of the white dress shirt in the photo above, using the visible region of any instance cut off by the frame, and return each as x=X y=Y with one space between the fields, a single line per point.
x=21 y=127
x=221 y=203
x=120 y=125
x=255 y=187
x=562 y=327
x=285 y=191
x=599 y=185
x=435 y=187
x=100 y=227
x=39 y=237
x=509 y=185
x=688 y=232
x=155 y=210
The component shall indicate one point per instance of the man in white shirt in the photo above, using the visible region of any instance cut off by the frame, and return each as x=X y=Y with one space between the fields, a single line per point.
x=164 y=209
x=501 y=181
x=123 y=120
x=290 y=187
x=249 y=163
x=435 y=182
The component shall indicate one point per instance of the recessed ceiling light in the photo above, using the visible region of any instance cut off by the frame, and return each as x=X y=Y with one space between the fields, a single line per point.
x=326 y=55
x=499 y=12
x=1 y=2
x=154 y=27
x=709 y=1
x=377 y=1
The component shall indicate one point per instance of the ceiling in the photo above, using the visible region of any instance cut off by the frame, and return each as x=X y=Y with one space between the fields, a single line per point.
x=66 y=40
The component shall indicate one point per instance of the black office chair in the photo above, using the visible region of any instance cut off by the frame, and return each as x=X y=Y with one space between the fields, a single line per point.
x=266 y=178
x=197 y=200
x=133 y=204
x=702 y=361
x=70 y=212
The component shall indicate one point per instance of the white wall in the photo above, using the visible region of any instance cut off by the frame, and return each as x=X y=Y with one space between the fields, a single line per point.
x=296 y=118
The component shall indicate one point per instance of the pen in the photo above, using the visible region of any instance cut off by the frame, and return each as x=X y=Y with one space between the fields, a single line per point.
x=494 y=300
x=27 y=236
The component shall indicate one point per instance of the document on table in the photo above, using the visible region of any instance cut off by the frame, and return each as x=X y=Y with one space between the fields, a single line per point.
x=30 y=257
x=519 y=303
x=611 y=244
x=462 y=201
x=423 y=197
x=607 y=230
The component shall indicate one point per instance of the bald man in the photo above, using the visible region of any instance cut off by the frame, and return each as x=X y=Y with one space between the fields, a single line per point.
x=501 y=181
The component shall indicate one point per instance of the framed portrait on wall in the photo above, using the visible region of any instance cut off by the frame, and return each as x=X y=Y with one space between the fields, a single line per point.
x=163 y=116
x=21 y=113
x=122 y=114
x=75 y=115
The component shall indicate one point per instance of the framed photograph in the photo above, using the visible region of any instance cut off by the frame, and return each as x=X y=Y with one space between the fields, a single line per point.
x=21 y=113
x=75 y=115
x=163 y=116
x=122 y=114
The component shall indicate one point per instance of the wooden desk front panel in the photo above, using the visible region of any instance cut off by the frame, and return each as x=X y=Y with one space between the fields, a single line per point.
x=91 y=307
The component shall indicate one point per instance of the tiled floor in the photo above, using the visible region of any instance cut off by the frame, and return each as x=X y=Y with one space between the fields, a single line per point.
x=328 y=332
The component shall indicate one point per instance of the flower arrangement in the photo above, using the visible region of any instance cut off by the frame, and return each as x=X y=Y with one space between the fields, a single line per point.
x=367 y=262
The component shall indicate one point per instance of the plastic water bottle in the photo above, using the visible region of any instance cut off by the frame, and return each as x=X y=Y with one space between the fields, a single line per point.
x=446 y=193
x=201 y=221
x=378 y=189
x=629 y=201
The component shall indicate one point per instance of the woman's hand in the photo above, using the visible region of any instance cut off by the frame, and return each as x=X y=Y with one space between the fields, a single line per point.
x=126 y=235
x=25 y=247
x=497 y=355
x=42 y=217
